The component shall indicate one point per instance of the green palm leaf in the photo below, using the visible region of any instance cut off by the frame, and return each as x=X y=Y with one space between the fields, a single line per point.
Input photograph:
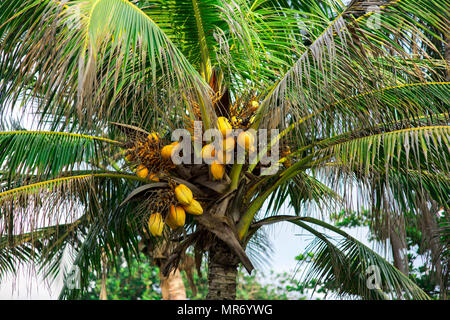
x=340 y=63
x=106 y=50
x=50 y=217
x=189 y=24
x=13 y=256
x=422 y=146
x=43 y=247
x=54 y=201
x=345 y=265
x=45 y=154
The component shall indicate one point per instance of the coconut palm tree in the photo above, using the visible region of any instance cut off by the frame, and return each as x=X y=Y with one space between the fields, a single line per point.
x=360 y=102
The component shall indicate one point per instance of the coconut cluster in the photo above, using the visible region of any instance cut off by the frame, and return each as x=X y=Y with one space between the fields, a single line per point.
x=151 y=159
x=224 y=154
x=176 y=215
x=144 y=154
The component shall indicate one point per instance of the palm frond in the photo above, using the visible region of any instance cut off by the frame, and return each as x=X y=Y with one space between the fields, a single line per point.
x=261 y=40
x=410 y=191
x=385 y=109
x=54 y=217
x=348 y=265
x=110 y=62
x=404 y=105
x=43 y=248
x=115 y=235
x=189 y=24
x=11 y=257
x=45 y=154
x=303 y=193
x=51 y=202
x=411 y=148
x=345 y=61
x=259 y=249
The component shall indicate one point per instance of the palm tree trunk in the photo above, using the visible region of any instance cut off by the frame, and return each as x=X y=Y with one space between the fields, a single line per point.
x=222 y=272
x=430 y=230
x=399 y=248
x=397 y=237
x=172 y=286
x=103 y=292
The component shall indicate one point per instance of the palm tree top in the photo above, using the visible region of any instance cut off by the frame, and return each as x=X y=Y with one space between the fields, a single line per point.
x=360 y=100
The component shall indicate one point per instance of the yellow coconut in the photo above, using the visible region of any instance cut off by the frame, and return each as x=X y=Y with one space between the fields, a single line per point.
x=246 y=139
x=153 y=177
x=194 y=208
x=217 y=170
x=254 y=105
x=183 y=194
x=176 y=217
x=166 y=152
x=171 y=224
x=228 y=144
x=208 y=152
x=224 y=157
x=142 y=172
x=156 y=224
x=223 y=125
